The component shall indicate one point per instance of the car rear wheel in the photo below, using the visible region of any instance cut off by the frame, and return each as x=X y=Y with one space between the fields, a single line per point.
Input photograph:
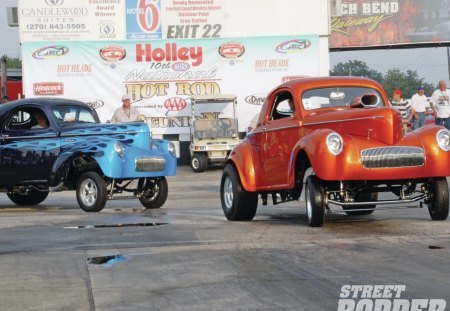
x=199 y=162
x=362 y=197
x=438 y=203
x=237 y=204
x=315 y=205
x=91 y=192
x=155 y=192
x=31 y=197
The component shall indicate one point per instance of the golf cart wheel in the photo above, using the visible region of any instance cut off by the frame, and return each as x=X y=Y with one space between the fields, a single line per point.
x=155 y=192
x=199 y=162
x=361 y=197
x=315 y=205
x=237 y=204
x=91 y=192
x=31 y=197
x=438 y=203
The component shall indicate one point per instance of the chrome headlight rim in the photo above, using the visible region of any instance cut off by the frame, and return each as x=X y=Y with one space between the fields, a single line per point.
x=443 y=139
x=119 y=149
x=331 y=140
x=172 y=149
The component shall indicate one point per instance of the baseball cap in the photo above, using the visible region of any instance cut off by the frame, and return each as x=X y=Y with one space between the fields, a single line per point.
x=420 y=87
x=126 y=96
x=398 y=92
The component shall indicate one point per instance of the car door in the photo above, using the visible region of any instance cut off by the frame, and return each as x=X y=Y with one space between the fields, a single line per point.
x=277 y=137
x=28 y=150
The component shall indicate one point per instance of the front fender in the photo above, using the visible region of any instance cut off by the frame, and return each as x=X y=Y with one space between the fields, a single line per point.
x=326 y=165
x=242 y=158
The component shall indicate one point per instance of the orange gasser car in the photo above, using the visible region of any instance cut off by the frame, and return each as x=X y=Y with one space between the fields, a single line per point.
x=338 y=138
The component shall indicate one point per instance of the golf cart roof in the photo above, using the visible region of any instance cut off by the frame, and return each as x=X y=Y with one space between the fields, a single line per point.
x=213 y=97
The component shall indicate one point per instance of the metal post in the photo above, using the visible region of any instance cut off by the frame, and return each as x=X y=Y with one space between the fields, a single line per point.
x=3 y=75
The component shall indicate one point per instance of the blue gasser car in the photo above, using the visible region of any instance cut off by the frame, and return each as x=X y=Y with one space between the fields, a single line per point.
x=58 y=144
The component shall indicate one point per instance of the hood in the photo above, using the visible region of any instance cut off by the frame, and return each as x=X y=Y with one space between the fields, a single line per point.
x=383 y=124
x=137 y=133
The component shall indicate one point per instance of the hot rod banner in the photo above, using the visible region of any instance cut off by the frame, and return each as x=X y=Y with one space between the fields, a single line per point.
x=161 y=75
x=365 y=23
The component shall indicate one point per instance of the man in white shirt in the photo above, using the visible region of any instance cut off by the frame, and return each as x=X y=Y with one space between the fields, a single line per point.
x=402 y=106
x=126 y=113
x=440 y=104
x=419 y=106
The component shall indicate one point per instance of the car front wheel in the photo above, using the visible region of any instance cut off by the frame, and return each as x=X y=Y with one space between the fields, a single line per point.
x=237 y=204
x=315 y=205
x=31 y=197
x=438 y=203
x=91 y=192
x=155 y=192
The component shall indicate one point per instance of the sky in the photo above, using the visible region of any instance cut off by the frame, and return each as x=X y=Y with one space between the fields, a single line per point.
x=430 y=63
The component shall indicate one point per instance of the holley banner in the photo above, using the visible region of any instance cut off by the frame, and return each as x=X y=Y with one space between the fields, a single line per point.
x=365 y=23
x=161 y=75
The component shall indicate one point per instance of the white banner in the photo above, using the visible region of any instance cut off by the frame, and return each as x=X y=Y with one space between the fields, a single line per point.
x=161 y=75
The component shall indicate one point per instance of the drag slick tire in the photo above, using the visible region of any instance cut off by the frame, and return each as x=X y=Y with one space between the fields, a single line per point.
x=237 y=204
x=31 y=197
x=438 y=203
x=155 y=190
x=199 y=162
x=361 y=197
x=315 y=205
x=91 y=192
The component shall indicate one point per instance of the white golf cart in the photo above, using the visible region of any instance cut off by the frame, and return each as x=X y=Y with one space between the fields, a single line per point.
x=212 y=139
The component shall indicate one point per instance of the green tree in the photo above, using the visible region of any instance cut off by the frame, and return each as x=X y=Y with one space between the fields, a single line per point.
x=13 y=63
x=356 y=68
x=406 y=82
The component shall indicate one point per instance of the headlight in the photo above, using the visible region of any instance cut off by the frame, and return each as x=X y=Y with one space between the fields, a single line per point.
x=335 y=143
x=443 y=139
x=118 y=147
x=172 y=149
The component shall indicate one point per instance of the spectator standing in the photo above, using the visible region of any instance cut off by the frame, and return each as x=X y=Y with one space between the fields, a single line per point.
x=419 y=106
x=441 y=105
x=126 y=113
x=402 y=106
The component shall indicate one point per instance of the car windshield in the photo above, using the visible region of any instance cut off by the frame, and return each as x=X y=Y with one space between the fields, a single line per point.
x=340 y=97
x=73 y=114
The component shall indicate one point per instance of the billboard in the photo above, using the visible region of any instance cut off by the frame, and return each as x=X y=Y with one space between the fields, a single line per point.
x=369 y=23
x=161 y=75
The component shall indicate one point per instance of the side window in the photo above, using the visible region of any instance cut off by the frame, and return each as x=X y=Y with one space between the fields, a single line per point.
x=27 y=119
x=283 y=106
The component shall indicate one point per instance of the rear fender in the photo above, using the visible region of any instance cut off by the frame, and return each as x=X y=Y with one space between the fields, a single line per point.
x=242 y=159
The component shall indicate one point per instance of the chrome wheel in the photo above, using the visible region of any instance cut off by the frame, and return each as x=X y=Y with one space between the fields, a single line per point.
x=228 y=192
x=89 y=192
x=308 y=204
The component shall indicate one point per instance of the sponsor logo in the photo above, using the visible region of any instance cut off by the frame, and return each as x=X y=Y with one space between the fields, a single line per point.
x=175 y=104
x=293 y=46
x=256 y=99
x=170 y=52
x=179 y=66
x=231 y=50
x=264 y=65
x=54 y=2
x=113 y=53
x=48 y=88
x=107 y=30
x=50 y=52
x=383 y=297
x=92 y=102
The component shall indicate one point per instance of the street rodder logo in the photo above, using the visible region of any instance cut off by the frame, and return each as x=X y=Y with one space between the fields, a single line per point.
x=383 y=297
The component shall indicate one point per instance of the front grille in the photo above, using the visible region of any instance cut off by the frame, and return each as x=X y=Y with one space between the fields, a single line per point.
x=393 y=157
x=150 y=164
